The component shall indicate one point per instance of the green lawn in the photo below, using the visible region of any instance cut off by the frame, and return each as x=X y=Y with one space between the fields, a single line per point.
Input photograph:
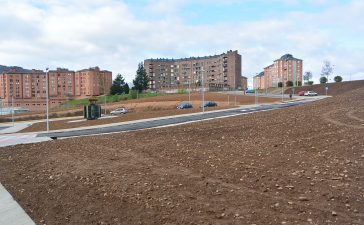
x=109 y=98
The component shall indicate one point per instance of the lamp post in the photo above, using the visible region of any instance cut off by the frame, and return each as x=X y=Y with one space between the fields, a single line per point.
x=203 y=92
x=47 y=96
x=189 y=91
x=12 y=108
x=105 y=93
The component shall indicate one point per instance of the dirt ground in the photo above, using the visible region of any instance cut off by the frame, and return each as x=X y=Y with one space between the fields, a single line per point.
x=333 y=88
x=297 y=165
x=154 y=107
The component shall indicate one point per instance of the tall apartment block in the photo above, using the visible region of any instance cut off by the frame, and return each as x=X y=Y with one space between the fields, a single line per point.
x=92 y=82
x=286 y=68
x=213 y=72
x=27 y=88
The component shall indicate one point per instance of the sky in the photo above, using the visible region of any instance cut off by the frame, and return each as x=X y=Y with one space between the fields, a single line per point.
x=116 y=35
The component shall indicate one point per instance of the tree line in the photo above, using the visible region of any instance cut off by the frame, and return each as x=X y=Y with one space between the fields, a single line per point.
x=119 y=86
x=326 y=71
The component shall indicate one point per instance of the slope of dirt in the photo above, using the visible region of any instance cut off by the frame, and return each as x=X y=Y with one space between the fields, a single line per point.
x=333 y=88
x=298 y=165
x=153 y=107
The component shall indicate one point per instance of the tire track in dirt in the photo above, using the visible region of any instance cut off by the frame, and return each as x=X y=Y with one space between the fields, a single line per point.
x=327 y=117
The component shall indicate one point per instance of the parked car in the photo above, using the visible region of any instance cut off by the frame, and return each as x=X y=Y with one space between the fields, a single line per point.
x=310 y=93
x=252 y=91
x=301 y=93
x=184 y=106
x=119 y=111
x=208 y=104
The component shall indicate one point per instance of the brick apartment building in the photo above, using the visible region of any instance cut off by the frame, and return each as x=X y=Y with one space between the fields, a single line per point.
x=286 y=68
x=27 y=88
x=218 y=72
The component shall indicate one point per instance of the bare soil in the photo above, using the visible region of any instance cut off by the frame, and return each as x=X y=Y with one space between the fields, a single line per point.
x=153 y=107
x=333 y=88
x=298 y=165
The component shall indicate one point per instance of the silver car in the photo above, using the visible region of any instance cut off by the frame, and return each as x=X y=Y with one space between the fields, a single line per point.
x=119 y=111
x=310 y=93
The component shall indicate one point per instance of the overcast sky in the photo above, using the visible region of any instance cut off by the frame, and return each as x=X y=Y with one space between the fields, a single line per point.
x=118 y=34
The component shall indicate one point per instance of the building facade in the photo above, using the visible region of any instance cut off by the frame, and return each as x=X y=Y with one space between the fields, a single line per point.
x=258 y=81
x=244 y=83
x=287 y=68
x=27 y=88
x=92 y=82
x=213 y=72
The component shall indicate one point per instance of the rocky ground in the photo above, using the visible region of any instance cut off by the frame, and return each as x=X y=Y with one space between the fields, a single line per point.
x=153 y=107
x=298 y=165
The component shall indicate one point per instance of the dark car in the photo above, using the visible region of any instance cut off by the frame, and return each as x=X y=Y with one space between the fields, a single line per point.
x=184 y=106
x=251 y=91
x=209 y=104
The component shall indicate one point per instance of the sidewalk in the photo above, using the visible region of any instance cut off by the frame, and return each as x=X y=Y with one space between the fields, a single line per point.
x=10 y=211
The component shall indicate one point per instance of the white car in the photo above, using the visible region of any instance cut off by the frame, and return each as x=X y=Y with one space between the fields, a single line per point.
x=310 y=93
x=119 y=111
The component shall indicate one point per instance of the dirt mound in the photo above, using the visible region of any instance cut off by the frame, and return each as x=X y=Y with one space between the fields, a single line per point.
x=333 y=88
x=298 y=165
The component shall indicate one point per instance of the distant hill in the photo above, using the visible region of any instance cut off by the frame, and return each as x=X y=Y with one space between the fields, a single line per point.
x=333 y=88
x=17 y=68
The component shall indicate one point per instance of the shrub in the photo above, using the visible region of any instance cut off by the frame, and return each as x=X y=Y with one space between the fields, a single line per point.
x=323 y=80
x=338 y=79
x=133 y=94
x=289 y=83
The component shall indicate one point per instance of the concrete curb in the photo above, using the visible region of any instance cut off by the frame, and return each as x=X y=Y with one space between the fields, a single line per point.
x=10 y=211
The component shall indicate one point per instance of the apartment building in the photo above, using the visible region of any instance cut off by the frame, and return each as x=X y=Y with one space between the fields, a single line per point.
x=244 y=83
x=92 y=82
x=258 y=81
x=286 y=68
x=213 y=72
x=27 y=88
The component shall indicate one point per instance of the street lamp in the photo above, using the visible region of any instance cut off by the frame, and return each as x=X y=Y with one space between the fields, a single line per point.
x=47 y=96
x=203 y=92
x=189 y=91
x=12 y=108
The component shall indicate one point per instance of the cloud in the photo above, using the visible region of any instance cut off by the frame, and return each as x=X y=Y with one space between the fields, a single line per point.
x=112 y=35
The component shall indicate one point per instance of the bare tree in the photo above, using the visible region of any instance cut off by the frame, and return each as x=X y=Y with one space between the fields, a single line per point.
x=307 y=76
x=327 y=69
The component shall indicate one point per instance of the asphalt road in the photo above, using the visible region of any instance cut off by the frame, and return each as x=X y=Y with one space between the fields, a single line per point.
x=168 y=121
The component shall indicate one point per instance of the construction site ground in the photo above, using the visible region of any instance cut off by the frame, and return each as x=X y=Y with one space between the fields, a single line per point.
x=297 y=165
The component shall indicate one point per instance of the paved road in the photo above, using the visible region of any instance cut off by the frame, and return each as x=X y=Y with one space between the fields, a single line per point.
x=168 y=121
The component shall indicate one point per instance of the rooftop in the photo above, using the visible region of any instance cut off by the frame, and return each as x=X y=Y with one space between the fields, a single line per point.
x=287 y=57
x=190 y=58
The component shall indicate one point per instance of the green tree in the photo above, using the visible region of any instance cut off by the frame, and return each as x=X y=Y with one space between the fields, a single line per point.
x=289 y=83
x=310 y=82
x=323 y=80
x=126 y=88
x=141 y=79
x=117 y=85
x=338 y=79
